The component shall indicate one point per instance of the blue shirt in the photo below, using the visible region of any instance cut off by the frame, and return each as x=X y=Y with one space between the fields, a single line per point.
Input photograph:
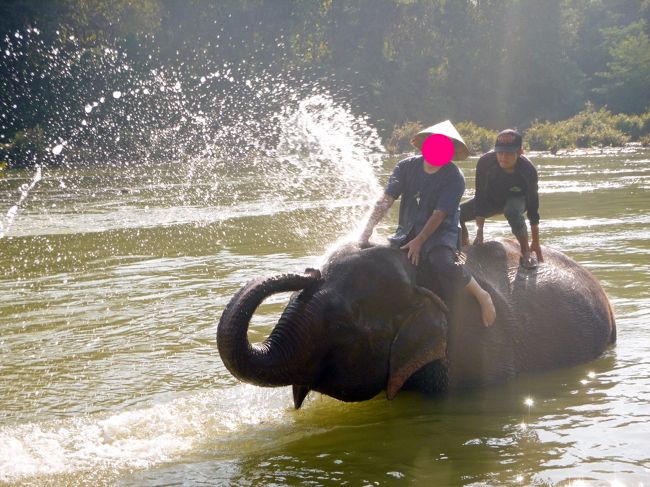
x=421 y=194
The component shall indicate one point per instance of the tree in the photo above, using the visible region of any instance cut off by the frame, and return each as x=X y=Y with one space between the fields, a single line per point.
x=626 y=86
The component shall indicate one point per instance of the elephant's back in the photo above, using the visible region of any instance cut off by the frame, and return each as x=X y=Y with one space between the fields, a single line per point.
x=561 y=313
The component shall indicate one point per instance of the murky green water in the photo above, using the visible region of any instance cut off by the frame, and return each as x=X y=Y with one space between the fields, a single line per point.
x=112 y=282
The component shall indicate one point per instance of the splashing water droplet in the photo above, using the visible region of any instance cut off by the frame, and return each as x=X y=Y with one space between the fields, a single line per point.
x=117 y=94
x=57 y=149
x=88 y=108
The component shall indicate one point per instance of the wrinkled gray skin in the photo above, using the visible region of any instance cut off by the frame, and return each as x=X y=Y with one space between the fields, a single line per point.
x=361 y=325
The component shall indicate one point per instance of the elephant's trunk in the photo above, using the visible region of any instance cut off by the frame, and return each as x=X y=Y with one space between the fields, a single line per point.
x=271 y=363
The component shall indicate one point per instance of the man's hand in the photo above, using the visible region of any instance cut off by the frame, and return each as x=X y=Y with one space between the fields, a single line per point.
x=364 y=239
x=534 y=243
x=479 y=236
x=413 y=247
x=381 y=207
x=537 y=248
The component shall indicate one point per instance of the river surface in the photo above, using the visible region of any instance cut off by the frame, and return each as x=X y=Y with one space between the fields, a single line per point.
x=112 y=281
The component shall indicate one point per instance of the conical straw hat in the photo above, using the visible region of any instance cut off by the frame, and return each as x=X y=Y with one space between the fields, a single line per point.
x=443 y=128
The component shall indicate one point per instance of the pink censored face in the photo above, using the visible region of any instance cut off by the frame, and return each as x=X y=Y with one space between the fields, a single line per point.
x=438 y=149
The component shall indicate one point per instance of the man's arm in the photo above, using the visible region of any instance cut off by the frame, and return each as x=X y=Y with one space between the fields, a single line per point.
x=532 y=209
x=534 y=244
x=415 y=245
x=480 y=197
x=379 y=211
x=480 y=221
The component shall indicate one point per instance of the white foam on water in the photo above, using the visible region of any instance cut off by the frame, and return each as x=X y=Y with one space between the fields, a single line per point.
x=578 y=186
x=141 y=438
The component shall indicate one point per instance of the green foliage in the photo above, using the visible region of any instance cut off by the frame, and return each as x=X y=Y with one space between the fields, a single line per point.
x=645 y=140
x=626 y=85
x=545 y=135
x=104 y=19
x=496 y=63
x=630 y=125
x=27 y=147
x=478 y=139
x=588 y=128
x=400 y=140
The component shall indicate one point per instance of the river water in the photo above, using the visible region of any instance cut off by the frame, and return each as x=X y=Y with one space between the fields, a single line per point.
x=112 y=282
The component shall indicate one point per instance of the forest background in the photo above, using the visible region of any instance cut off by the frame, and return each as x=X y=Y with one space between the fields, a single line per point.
x=570 y=73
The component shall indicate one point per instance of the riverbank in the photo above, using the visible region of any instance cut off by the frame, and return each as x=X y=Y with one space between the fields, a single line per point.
x=588 y=129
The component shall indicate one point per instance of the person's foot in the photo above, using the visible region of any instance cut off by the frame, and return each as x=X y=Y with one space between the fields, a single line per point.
x=488 y=311
x=528 y=261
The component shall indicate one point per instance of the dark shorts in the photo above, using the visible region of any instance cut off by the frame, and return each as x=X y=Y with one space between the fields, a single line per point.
x=442 y=274
x=514 y=210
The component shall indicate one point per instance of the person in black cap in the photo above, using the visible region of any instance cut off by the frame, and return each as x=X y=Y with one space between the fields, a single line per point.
x=428 y=222
x=506 y=183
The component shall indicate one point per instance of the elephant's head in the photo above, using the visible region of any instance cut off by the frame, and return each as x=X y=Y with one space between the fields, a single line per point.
x=358 y=328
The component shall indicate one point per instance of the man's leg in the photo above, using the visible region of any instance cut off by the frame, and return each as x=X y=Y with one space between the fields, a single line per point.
x=466 y=215
x=488 y=311
x=450 y=276
x=514 y=212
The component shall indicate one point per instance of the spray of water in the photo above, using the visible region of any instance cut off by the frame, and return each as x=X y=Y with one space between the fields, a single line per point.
x=193 y=125
x=126 y=143
x=137 y=439
x=13 y=211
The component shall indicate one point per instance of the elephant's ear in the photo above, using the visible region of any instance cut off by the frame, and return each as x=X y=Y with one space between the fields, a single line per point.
x=422 y=338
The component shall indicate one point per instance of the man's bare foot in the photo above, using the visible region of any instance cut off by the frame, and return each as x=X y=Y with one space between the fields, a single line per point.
x=488 y=311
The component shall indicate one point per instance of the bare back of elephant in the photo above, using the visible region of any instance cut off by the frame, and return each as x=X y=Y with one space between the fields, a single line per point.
x=558 y=313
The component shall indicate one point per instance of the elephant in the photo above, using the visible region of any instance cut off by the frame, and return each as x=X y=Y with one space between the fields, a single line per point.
x=364 y=323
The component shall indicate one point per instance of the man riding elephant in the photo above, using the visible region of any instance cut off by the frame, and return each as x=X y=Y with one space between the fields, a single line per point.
x=431 y=189
x=506 y=182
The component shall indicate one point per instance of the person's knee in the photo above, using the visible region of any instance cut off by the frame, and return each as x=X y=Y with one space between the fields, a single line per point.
x=518 y=227
x=447 y=269
x=467 y=212
x=514 y=213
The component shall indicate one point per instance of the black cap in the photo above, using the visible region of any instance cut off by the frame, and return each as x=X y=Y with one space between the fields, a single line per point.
x=508 y=141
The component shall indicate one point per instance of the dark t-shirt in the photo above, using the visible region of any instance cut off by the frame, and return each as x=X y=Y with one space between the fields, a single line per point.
x=421 y=194
x=494 y=186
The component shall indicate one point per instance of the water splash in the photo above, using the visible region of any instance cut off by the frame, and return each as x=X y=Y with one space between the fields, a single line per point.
x=13 y=211
x=107 y=446
x=191 y=126
x=129 y=143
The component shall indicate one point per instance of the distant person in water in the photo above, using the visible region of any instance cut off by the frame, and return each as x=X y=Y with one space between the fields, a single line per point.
x=427 y=229
x=506 y=183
